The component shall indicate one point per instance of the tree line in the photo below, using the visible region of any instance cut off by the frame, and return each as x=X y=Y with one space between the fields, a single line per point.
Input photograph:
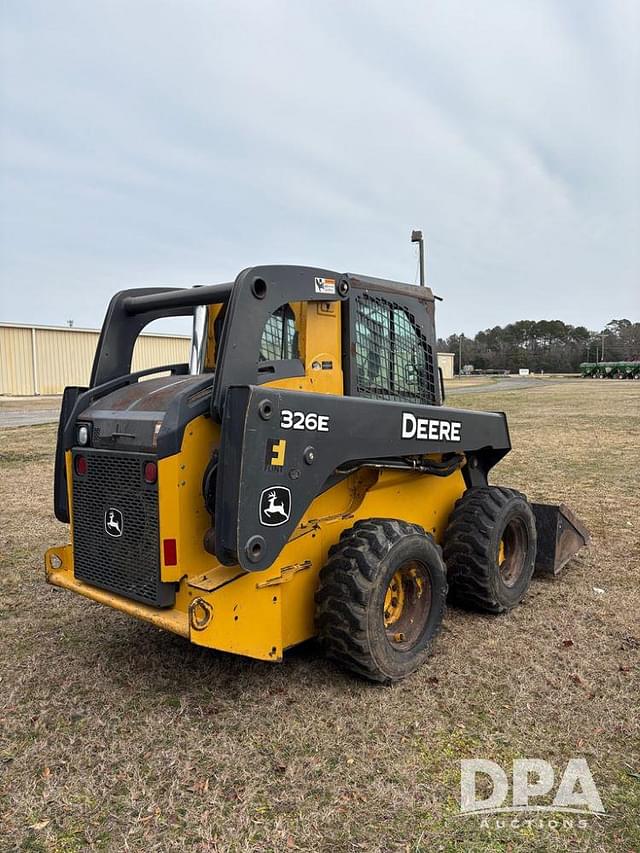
x=544 y=345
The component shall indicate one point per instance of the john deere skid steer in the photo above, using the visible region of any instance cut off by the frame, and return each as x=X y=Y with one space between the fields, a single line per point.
x=300 y=477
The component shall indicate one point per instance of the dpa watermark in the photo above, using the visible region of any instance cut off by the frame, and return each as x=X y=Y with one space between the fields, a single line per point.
x=533 y=779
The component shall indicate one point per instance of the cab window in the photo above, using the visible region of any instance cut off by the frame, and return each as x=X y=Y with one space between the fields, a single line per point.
x=409 y=362
x=280 y=336
x=392 y=356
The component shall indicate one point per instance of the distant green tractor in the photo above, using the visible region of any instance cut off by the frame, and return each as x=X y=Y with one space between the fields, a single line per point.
x=610 y=370
x=630 y=369
x=588 y=370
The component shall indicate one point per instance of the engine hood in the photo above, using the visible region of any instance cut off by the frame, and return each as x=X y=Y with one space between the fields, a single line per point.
x=148 y=416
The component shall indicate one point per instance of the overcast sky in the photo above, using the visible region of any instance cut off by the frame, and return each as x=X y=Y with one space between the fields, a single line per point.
x=178 y=142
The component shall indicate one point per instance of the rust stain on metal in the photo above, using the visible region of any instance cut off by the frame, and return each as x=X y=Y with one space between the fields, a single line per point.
x=286 y=574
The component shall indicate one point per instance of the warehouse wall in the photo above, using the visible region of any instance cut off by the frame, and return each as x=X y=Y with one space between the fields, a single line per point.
x=445 y=362
x=43 y=359
x=151 y=350
x=62 y=358
x=16 y=362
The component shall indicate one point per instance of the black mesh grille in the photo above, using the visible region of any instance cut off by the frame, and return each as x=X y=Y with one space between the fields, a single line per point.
x=394 y=361
x=113 y=494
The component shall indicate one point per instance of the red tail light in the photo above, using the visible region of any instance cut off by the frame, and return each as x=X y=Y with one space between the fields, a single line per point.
x=150 y=472
x=170 y=550
x=81 y=465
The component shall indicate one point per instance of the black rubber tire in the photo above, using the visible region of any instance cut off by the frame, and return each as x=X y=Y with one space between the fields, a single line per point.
x=478 y=523
x=350 y=600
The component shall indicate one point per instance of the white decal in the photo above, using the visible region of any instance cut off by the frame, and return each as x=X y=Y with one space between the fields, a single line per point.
x=533 y=778
x=310 y=421
x=325 y=285
x=429 y=429
x=275 y=506
x=113 y=522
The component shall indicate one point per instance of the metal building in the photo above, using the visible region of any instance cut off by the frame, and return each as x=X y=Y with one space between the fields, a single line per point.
x=445 y=363
x=44 y=359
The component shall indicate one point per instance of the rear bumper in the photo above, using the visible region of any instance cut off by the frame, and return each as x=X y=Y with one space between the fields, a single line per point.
x=224 y=609
x=58 y=564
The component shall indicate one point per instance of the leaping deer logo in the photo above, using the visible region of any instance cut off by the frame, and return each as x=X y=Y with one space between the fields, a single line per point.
x=275 y=506
x=113 y=522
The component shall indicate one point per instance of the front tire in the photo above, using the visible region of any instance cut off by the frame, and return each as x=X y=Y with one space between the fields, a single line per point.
x=490 y=549
x=381 y=598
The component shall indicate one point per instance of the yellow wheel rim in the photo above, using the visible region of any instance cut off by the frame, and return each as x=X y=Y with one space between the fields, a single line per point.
x=512 y=551
x=394 y=599
x=407 y=604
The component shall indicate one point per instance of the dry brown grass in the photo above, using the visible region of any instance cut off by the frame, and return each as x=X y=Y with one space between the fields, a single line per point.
x=116 y=736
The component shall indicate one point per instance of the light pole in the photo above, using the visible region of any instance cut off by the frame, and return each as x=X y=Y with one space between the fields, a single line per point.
x=461 y=336
x=416 y=237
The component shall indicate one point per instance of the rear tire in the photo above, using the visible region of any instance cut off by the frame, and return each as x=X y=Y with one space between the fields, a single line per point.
x=490 y=549
x=381 y=598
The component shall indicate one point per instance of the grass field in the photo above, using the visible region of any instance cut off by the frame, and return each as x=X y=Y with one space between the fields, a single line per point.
x=115 y=736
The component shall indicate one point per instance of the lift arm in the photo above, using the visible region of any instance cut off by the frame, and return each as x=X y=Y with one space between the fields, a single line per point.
x=281 y=449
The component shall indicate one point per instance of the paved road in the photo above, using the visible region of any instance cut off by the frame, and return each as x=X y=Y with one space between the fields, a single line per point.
x=16 y=418
x=515 y=384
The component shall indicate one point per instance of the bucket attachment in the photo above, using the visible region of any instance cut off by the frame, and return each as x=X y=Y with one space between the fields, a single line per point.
x=560 y=535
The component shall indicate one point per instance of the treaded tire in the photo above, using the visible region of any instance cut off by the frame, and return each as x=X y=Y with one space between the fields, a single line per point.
x=351 y=601
x=482 y=519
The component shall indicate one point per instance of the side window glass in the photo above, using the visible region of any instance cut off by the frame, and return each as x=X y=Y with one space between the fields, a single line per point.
x=392 y=357
x=372 y=344
x=408 y=357
x=280 y=336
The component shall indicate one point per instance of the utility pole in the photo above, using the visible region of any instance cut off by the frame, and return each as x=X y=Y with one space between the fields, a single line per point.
x=416 y=237
x=602 y=349
x=460 y=353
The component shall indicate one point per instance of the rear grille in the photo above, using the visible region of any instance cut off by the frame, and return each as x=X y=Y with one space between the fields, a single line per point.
x=112 y=496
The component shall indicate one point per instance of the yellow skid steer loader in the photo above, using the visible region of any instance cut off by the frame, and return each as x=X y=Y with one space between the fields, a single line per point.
x=300 y=477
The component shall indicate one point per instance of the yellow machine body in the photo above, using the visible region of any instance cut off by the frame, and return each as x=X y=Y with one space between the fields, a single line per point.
x=260 y=614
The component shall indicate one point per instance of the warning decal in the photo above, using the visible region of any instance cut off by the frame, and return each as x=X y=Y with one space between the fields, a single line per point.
x=325 y=285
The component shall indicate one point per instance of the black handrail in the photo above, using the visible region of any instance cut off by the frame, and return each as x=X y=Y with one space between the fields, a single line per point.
x=181 y=297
